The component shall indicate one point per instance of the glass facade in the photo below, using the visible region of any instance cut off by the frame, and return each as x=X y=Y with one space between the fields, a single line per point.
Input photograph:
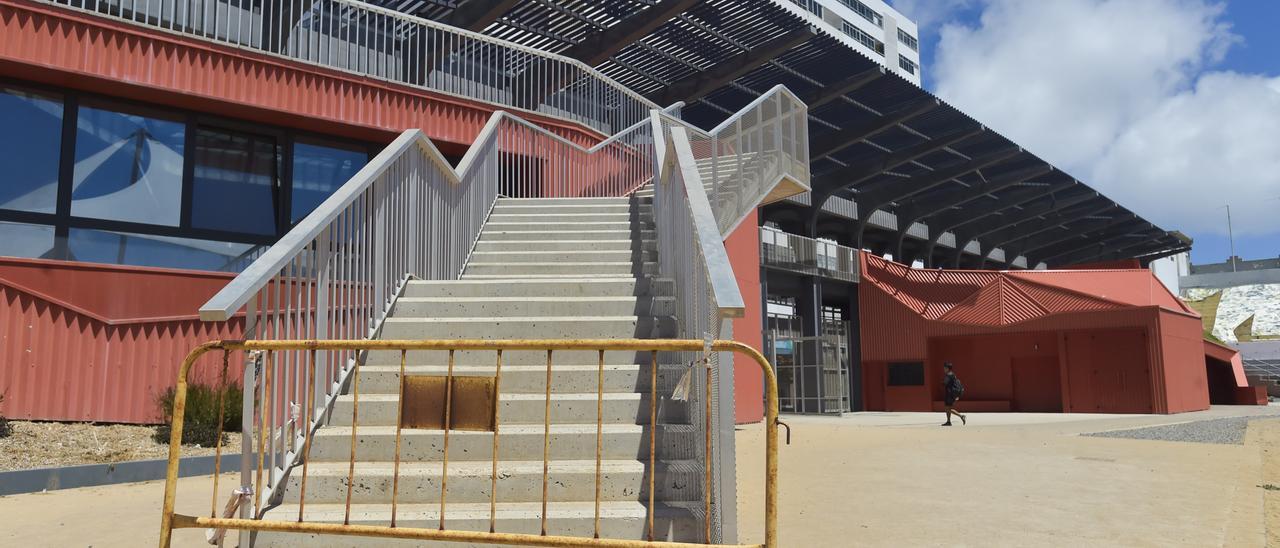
x=861 y=36
x=235 y=187
x=318 y=170
x=88 y=179
x=128 y=167
x=29 y=150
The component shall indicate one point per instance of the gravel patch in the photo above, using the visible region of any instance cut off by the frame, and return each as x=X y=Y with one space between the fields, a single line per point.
x=1224 y=431
x=45 y=444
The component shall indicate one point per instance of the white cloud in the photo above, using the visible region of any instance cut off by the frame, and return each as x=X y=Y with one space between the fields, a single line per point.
x=929 y=13
x=1116 y=92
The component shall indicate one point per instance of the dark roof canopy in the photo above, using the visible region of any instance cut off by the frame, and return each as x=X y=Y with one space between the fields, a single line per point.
x=875 y=138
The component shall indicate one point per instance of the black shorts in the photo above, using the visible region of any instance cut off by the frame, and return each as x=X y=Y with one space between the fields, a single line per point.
x=949 y=401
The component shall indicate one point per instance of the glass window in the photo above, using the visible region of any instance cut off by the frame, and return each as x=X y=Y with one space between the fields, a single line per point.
x=865 y=11
x=24 y=240
x=128 y=167
x=318 y=171
x=97 y=246
x=909 y=40
x=906 y=64
x=29 y=150
x=906 y=374
x=235 y=185
x=866 y=39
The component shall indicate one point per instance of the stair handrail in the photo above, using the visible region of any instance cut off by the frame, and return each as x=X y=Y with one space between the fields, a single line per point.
x=372 y=41
x=771 y=131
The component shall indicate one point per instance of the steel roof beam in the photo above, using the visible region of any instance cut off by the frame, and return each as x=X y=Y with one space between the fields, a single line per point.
x=1075 y=252
x=722 y=73
x=1076 y=231
x=836 y=90
x=834 y=141
x=1039 y=220
x=597 y=47
x=882 y=193
x=916 y=210
x=1092 y=239
x=941 y=224
x=1112 y=251
x=846 y=177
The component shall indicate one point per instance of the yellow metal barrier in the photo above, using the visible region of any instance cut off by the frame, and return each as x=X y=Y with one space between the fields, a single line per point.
x=171 y=520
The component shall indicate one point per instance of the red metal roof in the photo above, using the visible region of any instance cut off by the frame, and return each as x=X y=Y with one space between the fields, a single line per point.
x=991 y=298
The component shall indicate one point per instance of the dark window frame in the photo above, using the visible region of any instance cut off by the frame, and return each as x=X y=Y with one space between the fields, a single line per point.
x=63 y=221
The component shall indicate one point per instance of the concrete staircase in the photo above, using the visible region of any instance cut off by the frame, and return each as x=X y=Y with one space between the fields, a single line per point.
x=543 y=268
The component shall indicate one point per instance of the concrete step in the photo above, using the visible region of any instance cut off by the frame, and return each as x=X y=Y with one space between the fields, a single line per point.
x=625 y=244
x=545 y=276
x=487 y=358
x=458 y=307
x=552 y=226
x=521 y=269
x=618 y=408
x=528 y=379
x=518 y=481
x=564 y=201
x=620 y=519
x=541 y=327
x=568 y=287
x=515 y=442
x=555 y=256
x=503 y=207
x=519 y=233
x=556 y=217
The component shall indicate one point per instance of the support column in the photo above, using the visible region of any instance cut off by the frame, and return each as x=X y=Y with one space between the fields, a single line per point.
x=856 y=402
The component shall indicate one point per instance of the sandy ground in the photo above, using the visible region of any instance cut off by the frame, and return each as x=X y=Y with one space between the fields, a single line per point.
x=881 y=479
x=42 y=444
x=1005 y=480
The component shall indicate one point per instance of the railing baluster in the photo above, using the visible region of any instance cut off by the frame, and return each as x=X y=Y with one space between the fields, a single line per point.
x=306 y=425
x=222 y=410
x=262 y=431
x=546 y=444
x=355 y=419
x=706 y=492
x=444 y=466
x=653 y=433
x=599 y=435
x=493 y=475
x=395 y=480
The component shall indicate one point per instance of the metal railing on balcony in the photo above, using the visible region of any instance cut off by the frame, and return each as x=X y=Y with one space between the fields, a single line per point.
x=376 y=42
x=794 y=253
x=757 y=156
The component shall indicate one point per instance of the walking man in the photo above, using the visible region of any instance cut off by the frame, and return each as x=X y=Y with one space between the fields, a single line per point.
x=951 y=392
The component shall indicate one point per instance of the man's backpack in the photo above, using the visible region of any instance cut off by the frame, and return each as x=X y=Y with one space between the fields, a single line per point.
x=956 y=387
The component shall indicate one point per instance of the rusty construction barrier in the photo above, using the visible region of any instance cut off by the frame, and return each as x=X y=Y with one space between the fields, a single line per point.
x=487 y=421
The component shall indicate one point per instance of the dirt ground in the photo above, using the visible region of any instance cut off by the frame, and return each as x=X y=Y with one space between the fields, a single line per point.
x=43 y=444
x=884 y=480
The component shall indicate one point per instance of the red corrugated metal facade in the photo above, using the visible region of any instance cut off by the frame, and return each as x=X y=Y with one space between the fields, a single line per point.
x=1083 y=341
x=100 y=343
x=65 y=48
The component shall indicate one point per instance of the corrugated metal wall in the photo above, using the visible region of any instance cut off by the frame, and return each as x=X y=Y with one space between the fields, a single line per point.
x=66 y=48
x=60 y=360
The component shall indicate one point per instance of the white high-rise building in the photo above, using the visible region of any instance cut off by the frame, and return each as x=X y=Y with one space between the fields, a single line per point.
x=873 y=28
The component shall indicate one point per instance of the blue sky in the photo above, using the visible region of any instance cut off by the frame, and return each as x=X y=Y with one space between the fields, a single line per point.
x=1131 y=97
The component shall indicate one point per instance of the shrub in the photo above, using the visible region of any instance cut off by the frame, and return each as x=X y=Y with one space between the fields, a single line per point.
x=200 y=418
x=5 y=428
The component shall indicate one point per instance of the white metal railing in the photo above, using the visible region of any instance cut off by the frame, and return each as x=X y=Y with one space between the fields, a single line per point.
x=408 y=214
x=691 y=254
x=757 y=156
x=376 y=42
x=795 y=253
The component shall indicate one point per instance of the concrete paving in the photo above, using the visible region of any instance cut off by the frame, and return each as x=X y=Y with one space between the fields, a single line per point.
x=1011 y=479
x=874 y=479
